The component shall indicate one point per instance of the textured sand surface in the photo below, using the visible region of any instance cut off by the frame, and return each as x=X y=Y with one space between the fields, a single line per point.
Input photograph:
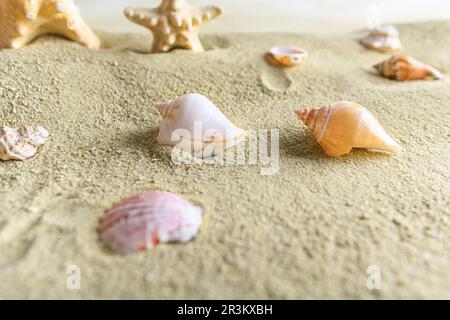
x=310 y=231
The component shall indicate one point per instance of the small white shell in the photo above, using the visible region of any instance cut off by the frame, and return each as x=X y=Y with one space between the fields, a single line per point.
x=383 y=38
x=140 y=222
x=21 y=143
x=287 y=56
x=195 y=123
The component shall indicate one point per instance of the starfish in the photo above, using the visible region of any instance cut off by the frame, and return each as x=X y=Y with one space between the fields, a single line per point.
x=174 y=24
x=21 y=21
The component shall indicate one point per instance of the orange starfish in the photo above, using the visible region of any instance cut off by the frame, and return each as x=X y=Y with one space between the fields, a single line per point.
x=21 y=21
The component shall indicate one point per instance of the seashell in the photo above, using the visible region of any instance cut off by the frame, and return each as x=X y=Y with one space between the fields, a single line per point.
x=344 y=125
x=287 y=56
x=174 y=24
x=195 y=123
x=383 y=39
x=403 y=68
x=21 y=21
x=142 y=221
x=22 y=143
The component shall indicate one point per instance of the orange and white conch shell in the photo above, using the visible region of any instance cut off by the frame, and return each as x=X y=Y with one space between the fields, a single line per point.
x=21 y=21
x=401 y=67
x=22 y=143
x=383 y=38
x=344 y=125
x=193 y=122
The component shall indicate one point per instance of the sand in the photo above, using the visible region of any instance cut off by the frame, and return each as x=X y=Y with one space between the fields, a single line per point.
x=310 y=231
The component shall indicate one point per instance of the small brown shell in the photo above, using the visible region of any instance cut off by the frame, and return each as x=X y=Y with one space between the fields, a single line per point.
x=401 y=67
x=286 y=56
x=344 y=125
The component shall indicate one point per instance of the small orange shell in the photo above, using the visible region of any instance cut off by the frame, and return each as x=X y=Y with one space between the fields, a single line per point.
x=142 y=221
x=287 y=56
x=401 y=67
x=345 y=125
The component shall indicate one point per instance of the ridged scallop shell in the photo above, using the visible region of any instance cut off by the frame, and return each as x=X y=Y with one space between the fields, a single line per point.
x=21 y=143
x=140 y=222
x=194 y=121
x=287 y=56
x=345 y=125
x=401 y=67
x=383 y=39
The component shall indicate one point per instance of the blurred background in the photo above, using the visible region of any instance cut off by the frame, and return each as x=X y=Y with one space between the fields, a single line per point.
x=317 y=16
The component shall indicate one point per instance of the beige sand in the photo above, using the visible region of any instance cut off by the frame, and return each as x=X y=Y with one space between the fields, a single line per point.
x=311 y=231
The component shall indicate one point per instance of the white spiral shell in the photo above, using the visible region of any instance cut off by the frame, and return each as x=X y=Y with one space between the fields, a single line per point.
x=194 y=122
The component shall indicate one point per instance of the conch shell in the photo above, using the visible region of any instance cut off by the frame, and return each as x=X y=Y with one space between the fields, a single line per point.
x=142 y=221
x=403 y=68
x=194 y=122
x=344 y=125
x=22 y=143
x=21 y=21
x=383 y=39
x=287 y=56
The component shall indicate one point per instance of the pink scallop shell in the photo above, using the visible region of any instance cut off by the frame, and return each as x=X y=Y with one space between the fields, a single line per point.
x=140 y=222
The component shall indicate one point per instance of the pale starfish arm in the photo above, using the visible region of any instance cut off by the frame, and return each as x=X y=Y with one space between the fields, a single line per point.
x=208 y=13
x=80 y=33
x=148 y=18
x=69 y=23
x=193 y=42
x=18 y=42
x=178 y=18
x=15 y=19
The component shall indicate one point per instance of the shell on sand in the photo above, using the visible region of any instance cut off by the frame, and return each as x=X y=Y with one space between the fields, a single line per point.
x=383 y=38
x=344 y=125
x=401 y=67
x=287 y=56
x=21 y=143
x=174 y=24
x=140 y=222
x=21 y=21
x=196 y=124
